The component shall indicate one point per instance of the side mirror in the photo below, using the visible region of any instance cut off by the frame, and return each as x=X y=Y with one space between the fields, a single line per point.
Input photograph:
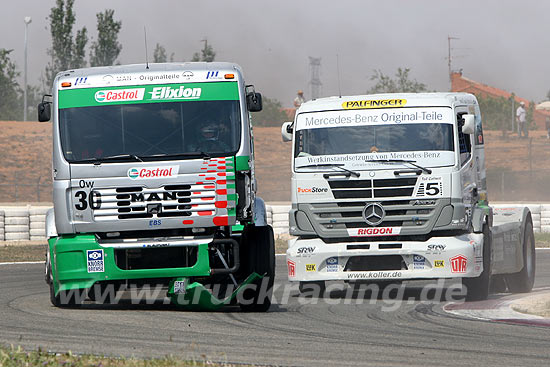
x=286 y=131
x=253 y=99
x=469 y=124
x=254 y=102
x=44 y=110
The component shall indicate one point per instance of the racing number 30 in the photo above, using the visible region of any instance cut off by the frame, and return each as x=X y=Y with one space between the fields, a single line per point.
x=94 y=200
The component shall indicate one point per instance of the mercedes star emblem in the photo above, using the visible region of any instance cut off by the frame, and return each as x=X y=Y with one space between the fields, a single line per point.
x=374 y=214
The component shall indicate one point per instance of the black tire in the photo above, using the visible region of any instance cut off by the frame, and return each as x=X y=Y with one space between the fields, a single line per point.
x=317 y=287
x=522 y=281
x=478 y=288
x=258 y=255
x=67 y=299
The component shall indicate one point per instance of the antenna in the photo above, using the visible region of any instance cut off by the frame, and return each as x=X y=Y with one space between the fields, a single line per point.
x=315 y=81
x=146 y=56
x=338 y=74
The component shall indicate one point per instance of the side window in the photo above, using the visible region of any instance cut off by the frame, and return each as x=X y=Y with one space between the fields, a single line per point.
x=464 y=141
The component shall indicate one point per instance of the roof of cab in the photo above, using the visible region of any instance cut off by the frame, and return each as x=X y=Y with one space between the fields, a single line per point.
x=150 y=68
x=141 y=74
x=411 y=100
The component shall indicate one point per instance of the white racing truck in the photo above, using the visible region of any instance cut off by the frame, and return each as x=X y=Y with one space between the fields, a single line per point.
x=392 y=187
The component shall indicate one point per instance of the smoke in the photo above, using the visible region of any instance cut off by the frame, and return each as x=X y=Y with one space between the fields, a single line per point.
x=502 y=43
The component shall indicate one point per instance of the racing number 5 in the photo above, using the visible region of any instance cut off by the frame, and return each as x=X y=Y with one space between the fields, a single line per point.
x=432 y=188
x=94 y=200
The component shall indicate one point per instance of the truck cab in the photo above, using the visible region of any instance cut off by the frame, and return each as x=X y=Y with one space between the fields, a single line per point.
x=392 y=186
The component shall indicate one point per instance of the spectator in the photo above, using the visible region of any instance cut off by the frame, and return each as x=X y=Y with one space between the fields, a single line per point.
x=520 y=119
x=299 y=99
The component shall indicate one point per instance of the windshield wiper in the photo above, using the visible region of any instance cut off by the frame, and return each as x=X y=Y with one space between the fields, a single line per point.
x=333 y=165
x=110 y=158
x=200 y=154
x=413 y=163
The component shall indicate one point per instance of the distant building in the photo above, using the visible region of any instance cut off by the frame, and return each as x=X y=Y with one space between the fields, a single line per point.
x=461 y=84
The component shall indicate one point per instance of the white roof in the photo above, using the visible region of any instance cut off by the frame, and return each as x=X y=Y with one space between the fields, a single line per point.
x=184 y=72
x=412 y=100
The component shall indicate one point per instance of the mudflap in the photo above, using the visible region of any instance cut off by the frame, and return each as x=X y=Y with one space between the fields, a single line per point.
x=195 y=296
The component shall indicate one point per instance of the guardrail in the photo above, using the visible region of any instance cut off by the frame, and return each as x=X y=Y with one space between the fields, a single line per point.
x=24 y=223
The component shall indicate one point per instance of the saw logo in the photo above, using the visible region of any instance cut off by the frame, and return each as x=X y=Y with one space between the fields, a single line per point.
x=175 y=93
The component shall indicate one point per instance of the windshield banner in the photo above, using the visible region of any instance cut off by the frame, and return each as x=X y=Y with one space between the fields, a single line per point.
x=361 y=161
x=86 y=97
x=386 y=116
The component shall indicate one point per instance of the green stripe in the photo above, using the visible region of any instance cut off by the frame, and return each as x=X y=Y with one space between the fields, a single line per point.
x=86 y=97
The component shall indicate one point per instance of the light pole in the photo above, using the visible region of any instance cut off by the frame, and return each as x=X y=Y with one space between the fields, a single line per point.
x=27 y=20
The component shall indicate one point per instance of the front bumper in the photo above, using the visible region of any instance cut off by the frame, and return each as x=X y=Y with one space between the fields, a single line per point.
x=438 y=257
x=79 y=261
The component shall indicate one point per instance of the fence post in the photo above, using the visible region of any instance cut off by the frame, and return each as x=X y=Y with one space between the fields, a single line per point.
x=530 y=157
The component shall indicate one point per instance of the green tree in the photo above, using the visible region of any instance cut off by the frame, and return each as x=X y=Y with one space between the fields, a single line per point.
x=497 y=112
x=272 y=113
x=530 y=116
x=160 y=54
x=65 y=53
x=9 y=88
x=401 y=84
x=206 y=54
x=107 y=48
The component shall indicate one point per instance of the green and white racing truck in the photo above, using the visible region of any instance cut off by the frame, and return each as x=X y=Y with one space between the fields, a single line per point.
x=153 y=183
x=392 y=187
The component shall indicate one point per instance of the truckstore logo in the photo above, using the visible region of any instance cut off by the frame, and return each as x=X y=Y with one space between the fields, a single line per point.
x=374 y=214
x=119 y=95
x=458 y=264
x=153 y=172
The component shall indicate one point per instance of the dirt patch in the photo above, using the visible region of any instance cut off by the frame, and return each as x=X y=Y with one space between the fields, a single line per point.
x=538 y=305
x=23 y=253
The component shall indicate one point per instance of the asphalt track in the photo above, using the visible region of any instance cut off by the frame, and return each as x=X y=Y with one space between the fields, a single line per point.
x=293 y=333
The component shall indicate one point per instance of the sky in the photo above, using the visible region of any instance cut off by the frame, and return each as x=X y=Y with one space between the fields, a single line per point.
x=500 y=43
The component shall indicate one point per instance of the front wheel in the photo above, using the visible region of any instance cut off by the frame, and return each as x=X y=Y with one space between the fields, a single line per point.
x=478 y=288
x=258 y=255
x=64 y=299
x=522 y=281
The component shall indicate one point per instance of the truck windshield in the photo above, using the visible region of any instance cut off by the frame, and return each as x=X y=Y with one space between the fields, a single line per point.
x=379 y=138
x=368 y=138
x=150 y=130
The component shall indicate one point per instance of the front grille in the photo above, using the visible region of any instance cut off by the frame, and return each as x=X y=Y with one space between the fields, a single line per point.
x=375 y=188
x=136 y=202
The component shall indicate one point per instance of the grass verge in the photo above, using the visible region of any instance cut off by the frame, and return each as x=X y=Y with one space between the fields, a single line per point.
x=16 y=357
x=542 y=240
x=22 y=253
